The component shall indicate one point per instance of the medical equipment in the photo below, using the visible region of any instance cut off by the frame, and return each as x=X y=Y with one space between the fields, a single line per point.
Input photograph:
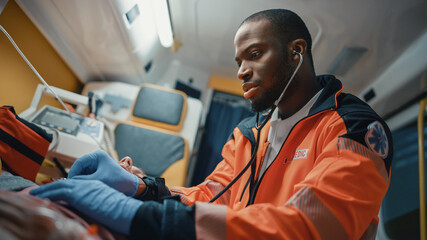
x=75 y=138
x=75 y=135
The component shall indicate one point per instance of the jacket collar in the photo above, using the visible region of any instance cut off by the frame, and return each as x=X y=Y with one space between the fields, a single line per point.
x=332 y=88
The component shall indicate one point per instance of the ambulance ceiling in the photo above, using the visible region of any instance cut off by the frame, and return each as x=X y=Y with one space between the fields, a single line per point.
x=372 y=33
x=356 y=40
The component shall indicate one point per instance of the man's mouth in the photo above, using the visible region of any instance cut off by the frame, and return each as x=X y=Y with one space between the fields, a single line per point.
x=250 y=89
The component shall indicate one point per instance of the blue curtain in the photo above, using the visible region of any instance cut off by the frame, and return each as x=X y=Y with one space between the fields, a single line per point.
x=400 y=207
x=225 y=112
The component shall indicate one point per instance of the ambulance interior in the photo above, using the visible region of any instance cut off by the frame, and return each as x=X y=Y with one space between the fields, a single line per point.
x=160 y=77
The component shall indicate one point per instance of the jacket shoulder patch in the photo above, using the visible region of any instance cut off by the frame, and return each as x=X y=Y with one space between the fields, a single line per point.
x=376 y=139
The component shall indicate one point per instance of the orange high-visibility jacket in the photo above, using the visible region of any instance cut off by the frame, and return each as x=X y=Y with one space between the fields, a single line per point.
x=327 y=182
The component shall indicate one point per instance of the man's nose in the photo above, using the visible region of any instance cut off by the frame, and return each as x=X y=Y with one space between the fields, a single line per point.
x=244 y=73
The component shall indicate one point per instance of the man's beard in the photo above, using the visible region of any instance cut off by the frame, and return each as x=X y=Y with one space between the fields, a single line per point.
x=266 y=100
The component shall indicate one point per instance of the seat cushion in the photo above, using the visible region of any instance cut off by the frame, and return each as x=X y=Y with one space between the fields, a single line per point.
x=152 y=150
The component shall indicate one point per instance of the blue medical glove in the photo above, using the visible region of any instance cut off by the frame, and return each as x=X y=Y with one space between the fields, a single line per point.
x=100 y=166
x=95 y=199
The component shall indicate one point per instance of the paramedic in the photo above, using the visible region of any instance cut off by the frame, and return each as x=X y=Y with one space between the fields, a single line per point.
x=320 y=169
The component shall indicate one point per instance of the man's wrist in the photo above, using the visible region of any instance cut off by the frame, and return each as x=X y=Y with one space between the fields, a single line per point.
x=141 y=187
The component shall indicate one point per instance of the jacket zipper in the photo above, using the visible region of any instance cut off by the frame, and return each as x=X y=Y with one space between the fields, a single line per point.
x=258 y=182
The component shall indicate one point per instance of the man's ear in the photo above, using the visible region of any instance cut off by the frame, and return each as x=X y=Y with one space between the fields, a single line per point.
x=297 y=45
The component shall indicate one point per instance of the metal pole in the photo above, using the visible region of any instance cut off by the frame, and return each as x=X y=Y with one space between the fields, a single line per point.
x=421 y=172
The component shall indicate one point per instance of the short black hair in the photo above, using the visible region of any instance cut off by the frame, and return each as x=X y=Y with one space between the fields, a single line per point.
x=286 y=24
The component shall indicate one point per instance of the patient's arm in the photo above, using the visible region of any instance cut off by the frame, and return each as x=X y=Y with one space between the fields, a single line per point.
x=25 y=217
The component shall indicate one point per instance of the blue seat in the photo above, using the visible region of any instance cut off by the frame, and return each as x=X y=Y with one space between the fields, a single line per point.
x=158 y=152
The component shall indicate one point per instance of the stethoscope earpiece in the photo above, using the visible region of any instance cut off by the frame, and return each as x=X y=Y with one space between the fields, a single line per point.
x=296 y=53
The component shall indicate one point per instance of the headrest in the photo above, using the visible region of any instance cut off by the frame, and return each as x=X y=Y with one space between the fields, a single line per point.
x=160 y=106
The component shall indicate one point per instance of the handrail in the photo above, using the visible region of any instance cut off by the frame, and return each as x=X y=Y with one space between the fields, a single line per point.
x=421 y=171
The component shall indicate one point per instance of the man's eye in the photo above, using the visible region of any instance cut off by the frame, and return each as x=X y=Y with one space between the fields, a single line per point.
x=255 y=54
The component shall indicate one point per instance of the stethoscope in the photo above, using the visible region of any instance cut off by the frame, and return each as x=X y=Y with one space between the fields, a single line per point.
x=258 y=127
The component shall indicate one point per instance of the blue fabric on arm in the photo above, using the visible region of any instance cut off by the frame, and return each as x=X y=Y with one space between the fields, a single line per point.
x=178 y=221
x=94 y=199
x=100 y=166
x=170 y=220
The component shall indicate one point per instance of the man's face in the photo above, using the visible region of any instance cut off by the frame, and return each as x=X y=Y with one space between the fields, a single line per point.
x=127 y=164
x=263 y=65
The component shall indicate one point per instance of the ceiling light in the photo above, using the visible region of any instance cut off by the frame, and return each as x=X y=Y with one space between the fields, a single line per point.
x=346 y=60
x=163 y=22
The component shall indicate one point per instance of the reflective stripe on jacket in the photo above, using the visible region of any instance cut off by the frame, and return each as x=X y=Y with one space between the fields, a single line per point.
x=327 y=182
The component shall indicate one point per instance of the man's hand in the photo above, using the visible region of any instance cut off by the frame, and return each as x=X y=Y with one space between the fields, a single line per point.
x=100 y=166
x=95 y=199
